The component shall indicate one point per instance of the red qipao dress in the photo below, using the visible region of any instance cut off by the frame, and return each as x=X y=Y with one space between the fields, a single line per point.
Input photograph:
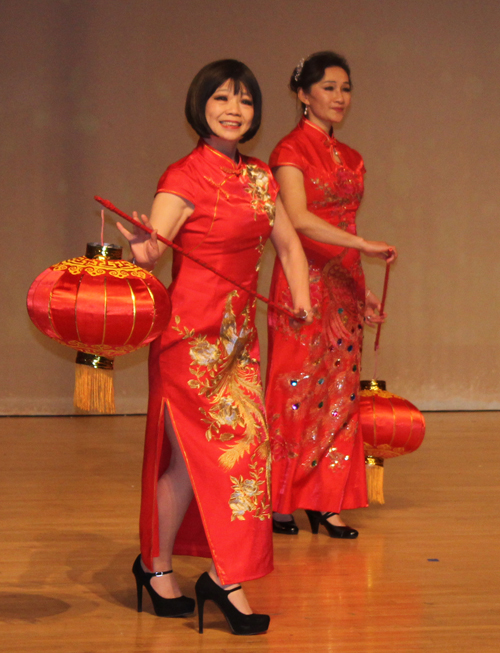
x=313 y=373
x=204 y=370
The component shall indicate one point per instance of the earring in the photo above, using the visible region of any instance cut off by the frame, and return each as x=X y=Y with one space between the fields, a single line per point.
x=305 y=110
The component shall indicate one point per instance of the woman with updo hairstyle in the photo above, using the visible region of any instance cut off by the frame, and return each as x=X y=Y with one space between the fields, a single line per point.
x=206 y=485
x=313 y=371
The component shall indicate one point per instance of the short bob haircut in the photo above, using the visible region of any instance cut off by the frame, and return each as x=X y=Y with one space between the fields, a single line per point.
x=208 y=80
x=314 y=68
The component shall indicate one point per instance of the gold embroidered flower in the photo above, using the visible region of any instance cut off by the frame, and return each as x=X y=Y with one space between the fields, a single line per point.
x=204 y=353
x=244 y=497
x=258 y=187
x=227 y=412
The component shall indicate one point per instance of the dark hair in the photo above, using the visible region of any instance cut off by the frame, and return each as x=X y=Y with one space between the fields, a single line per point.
x=208 y=80
x=313 y=69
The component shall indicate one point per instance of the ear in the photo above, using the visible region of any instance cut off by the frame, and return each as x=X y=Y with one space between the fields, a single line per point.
x=303 y=97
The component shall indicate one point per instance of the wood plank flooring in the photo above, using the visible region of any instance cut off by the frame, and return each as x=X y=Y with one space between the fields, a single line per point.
x=424 y=574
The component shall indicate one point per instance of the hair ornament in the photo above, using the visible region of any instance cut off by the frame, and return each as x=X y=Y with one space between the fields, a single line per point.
x=298 y=69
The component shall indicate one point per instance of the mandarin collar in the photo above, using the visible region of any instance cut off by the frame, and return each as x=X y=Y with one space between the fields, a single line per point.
x=219 y=159
x=316 y=133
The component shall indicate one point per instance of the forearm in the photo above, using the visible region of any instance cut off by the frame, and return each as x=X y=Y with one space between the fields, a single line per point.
x=296 y=271
x=317 y=229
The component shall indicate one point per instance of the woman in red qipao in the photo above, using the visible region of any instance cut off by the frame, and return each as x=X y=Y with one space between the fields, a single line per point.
x=206 y=485
x=313 y=372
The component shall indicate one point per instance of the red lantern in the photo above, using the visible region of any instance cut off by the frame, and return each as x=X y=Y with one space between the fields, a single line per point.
x=391 y=426
x=103 y=307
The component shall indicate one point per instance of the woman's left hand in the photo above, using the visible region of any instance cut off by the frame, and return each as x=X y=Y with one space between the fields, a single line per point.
x=303 y=315
x=379 y=249
x=373 y=308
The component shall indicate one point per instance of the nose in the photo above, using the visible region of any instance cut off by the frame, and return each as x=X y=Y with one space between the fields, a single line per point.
x=234 y=105
x=339 y=96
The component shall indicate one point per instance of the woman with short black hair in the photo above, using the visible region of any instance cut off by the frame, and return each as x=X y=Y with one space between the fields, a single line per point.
x=207 y=80
x=206 y=485
x=313 y=371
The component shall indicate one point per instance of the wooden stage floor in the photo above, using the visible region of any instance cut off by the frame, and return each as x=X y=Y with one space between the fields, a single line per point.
x=424 y=574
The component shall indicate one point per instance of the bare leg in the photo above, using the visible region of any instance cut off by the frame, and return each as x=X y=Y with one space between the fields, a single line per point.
x=238 y=599
x=174 y=496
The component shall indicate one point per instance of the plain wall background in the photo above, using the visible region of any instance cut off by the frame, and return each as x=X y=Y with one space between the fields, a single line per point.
x=92 y=103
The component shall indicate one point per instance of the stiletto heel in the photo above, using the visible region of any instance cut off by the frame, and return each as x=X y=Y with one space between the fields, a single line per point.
x=181 y=606
x=239 y=623
x=201 y=604
x=139 y=585
x=316 y=518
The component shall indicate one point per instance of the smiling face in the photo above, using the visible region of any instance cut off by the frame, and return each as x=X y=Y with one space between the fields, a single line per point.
x=328 y=99
x=229 y=115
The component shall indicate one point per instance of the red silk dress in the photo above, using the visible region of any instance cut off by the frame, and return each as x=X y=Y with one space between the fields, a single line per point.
x=204 y=370
x=313 y=373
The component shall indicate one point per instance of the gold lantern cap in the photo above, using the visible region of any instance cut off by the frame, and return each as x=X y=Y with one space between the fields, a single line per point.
x=373 y=384
x=104 y=250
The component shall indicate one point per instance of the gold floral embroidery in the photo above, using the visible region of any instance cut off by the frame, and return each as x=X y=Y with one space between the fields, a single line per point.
x=228 y=377
x=247 y=495
x=260 y=249
x=258 y=187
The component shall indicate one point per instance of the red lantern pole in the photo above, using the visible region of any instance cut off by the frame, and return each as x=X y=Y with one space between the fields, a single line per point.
x=382 y=306
x=382 y=303
x=136 y=223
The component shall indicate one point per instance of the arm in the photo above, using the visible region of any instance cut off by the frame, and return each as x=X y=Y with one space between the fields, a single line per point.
x=168 y=213
x=293 y=193
x=293 y=260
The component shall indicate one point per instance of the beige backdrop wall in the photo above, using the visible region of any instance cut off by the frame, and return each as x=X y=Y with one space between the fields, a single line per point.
x=92 y=103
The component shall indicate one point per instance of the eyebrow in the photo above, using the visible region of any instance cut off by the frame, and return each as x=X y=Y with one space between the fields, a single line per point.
x=334 y=81
x=228 y=89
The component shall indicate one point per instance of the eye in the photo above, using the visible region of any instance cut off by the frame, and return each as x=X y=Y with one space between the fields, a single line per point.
x=247 y=101
x=328 y=88
x=222 y=98
x=346 y=89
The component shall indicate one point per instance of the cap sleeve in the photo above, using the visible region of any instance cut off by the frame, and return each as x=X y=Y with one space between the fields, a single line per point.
x=286 y=154
x=178 y=181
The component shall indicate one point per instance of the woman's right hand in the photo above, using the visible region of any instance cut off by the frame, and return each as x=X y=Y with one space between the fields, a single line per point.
x=380 y=250
x=144 y=246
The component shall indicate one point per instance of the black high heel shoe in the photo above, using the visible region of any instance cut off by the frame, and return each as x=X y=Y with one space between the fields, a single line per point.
x=239 y=623
x=181 y=606
x=316 y=518
x=285 y=527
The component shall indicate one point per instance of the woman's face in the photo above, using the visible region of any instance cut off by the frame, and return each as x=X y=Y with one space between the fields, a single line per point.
x=229 y=115
x=328 y=99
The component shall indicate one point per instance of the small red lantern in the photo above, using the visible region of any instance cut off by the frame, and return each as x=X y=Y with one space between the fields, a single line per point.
x=391 y=426
x=103 y=307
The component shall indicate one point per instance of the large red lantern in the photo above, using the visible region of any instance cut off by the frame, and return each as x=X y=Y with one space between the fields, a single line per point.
x=391 y=427
x=102 y=306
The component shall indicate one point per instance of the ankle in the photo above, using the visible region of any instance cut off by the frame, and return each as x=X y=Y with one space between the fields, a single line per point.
x=217 y=581
x=282 y=517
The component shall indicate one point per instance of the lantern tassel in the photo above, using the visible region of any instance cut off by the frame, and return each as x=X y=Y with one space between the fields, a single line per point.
x=94 y=390
x=375 y=479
